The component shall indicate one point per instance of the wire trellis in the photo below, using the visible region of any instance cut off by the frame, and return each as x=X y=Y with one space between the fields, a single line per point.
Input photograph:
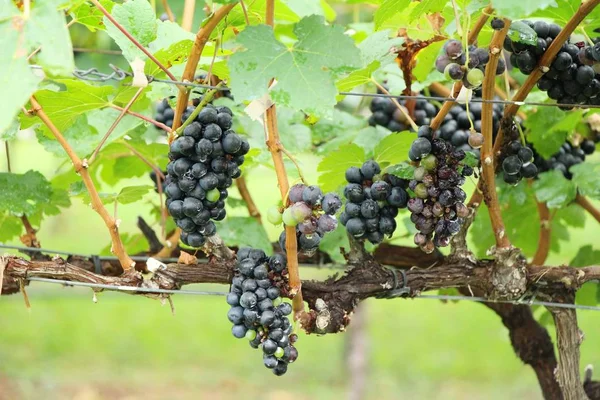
x=118 y=74
x=390 y=294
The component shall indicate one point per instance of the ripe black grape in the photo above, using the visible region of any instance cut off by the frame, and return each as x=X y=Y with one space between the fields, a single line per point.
x=373 y=201
x=199 y=176
x=257 y=313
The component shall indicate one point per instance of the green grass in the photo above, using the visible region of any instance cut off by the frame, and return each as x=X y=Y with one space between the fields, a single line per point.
x=125 y=346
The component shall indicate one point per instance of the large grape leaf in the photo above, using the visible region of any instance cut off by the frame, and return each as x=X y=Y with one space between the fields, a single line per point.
x=427 y=7
x=333 y=241
x=24 y=193
x=10 y=227
x=375 y=52
x=394 y=148
x=554 y=189
x=17 y=80
x=304 y=8
x=516 y=9
x=138 y=18
x=305 y=72
x=333 y=167
x=87 y=132
x=548 y=128
x=47 y=28
x=589 y=294
x=90 y=16
x=244 y=231
x=587 y=178
x=388 y=9
x=64 y=106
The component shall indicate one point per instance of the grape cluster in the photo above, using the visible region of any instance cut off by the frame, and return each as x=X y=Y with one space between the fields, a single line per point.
x=468 y=67
x=437 y=210
x=571 y=78
x=565 y=158
x=387 y=114
x=311 y=212
x=257 y=311
x=204 y=162
x=518 y=163
x=372 y=202
x=456 y=126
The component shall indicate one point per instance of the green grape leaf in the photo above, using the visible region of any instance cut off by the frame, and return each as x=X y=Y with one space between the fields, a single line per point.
x=394 y=148
x=87 y=132
x=333 y=241
x=304 y=8
x=127 y=195
x=470 y=159
x=520 y=32
x=63 y=107
x=515 y=9
x=168 y=33
x=244 y=231
x=554 y=189
x=47 y=28
x=375 y=52
x=358 y=77
x=548 y=128
x=11 y=131
x=585 y=256
x=388 y=9
x=10 y=227
x=305 y=72
x=521 y=221
x=138 y=18
x=24 y=193
x=369 y=137
x=403 y=170
x=427 y=7
x=587 y=178
x=90 y=16
x=426 y=60
x=17 y=79
x=295 y=136
x=333 y=167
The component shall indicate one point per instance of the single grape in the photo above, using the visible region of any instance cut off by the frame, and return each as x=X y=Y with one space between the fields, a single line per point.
x=512 y=165
x=475 y=77
x=453 y=49
x=288 y=217
x=274 y=215
x=295 y=193
x=454 y=72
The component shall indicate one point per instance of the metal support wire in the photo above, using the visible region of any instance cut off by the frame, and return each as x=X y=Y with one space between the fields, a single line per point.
x=118 y=74
x=134 y=289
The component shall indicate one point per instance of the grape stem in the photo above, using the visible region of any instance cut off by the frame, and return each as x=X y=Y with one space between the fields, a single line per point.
x=189 y=7
x=114 y=125
x=132 y=39
x=159 y=125
x=81 y=167
x=588 y=206
x=274 y=146
x=245 y=11
x=206 y=98
x=170 y=244
x=202 y=38
x=247 y=197
x=545 y=234
x=167 y=8
x=7 y=151
x=487 y=157
x=30 y=239
x=400 y=107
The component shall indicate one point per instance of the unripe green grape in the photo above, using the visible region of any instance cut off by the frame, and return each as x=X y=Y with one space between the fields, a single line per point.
x=251 y=334
x=279 y=352
x=429 y=162
x=419 y=173
x=421 y=191
x=213 y=195
x=475 y=77
x=288 y=217
x=273 y=215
